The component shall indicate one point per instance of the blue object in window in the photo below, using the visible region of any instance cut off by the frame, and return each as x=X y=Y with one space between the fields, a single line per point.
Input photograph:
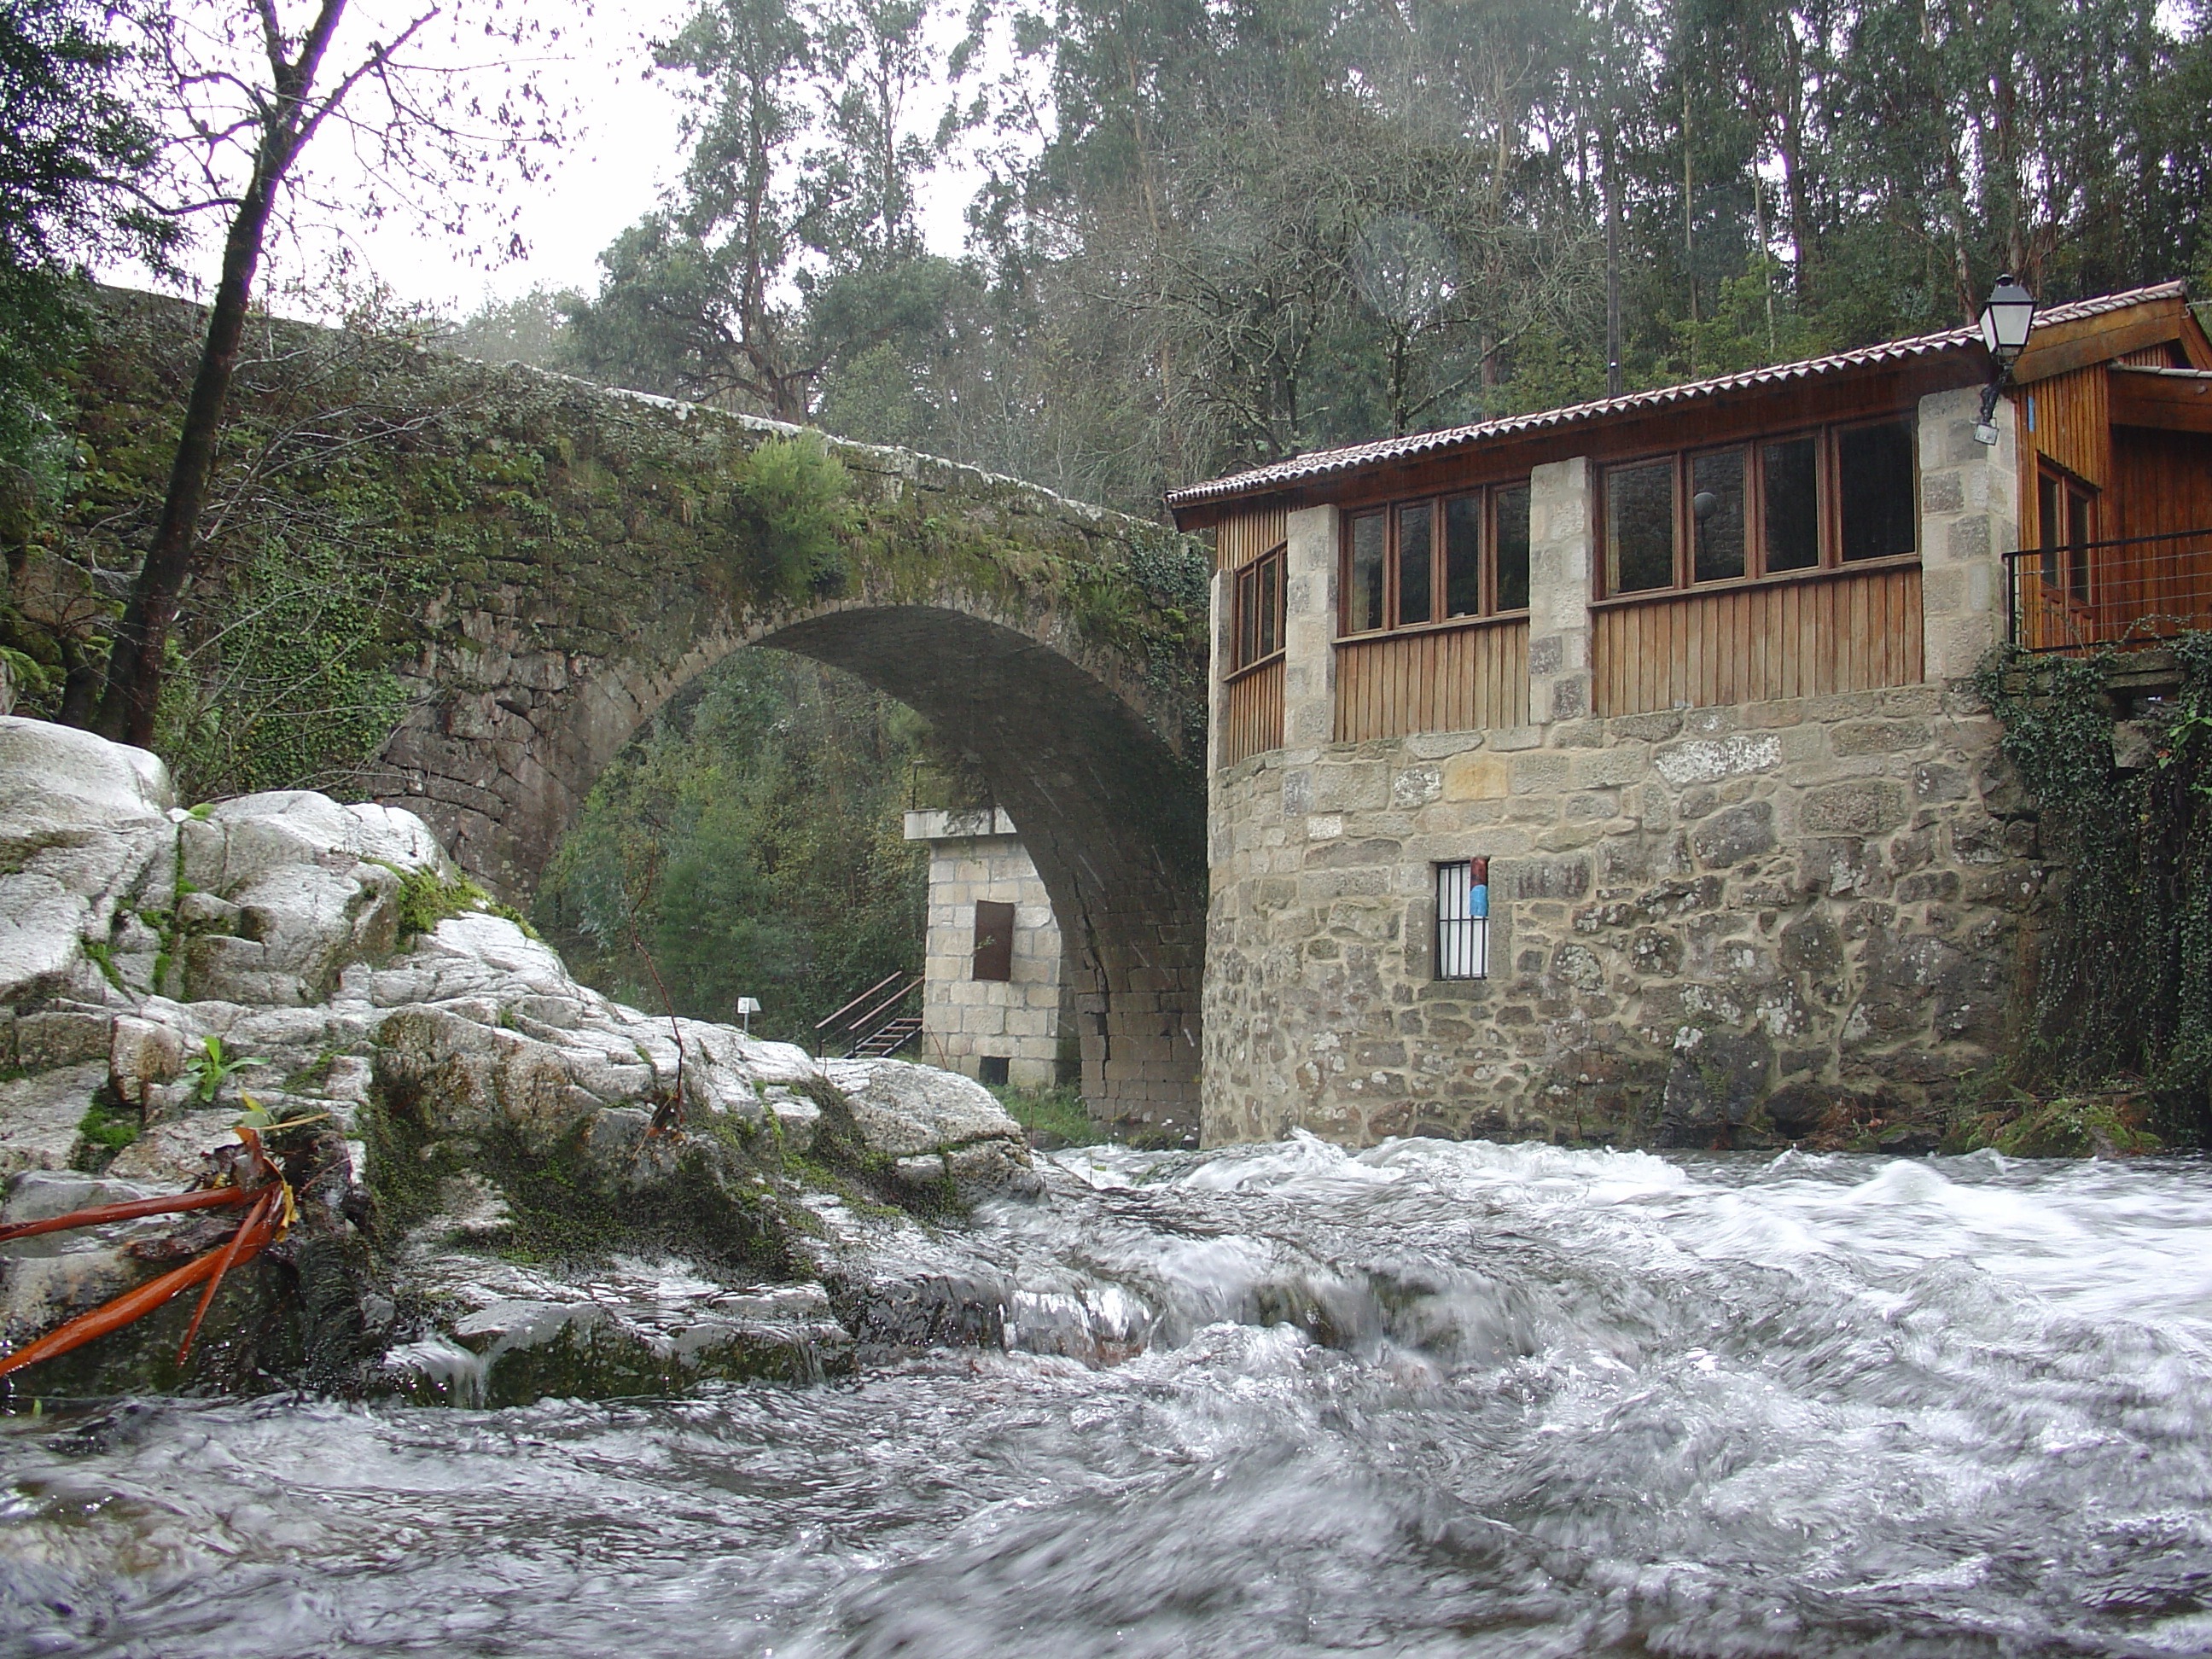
x=1463 y=918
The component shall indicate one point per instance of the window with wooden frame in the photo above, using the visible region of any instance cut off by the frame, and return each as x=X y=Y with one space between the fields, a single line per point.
x=1441 y=559
x=1256 y=617
x=1773 y=507
x=2066 y=519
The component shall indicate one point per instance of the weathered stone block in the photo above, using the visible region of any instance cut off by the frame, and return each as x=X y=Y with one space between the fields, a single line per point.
x=1869 y=807
x=1714 y=1085
x=1734 y=835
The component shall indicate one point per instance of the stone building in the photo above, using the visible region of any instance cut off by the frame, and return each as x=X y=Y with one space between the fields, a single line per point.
x=1615 y=770
x=992 y=973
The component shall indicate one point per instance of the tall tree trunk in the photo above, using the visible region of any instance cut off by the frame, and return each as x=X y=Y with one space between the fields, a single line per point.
x=1790 y=142
x=135 y=661
x=1689 y=243
x=1611 y=185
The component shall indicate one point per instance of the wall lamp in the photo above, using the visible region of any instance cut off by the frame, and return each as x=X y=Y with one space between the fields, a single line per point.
x=2007 y=321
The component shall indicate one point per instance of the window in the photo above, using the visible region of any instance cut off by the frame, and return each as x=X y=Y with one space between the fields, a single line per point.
x=1765 y=510
x=1717 y=526
x=991 y=1071
x=1437 y=560
x=1790 y=473
x=1877 y=485
x=1639 y=527
x=2066 y=516
x=1463 y=919
x=995 y=940
x=1257 y=627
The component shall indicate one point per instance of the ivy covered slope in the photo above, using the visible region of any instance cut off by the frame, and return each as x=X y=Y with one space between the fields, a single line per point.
x=2114 y=1050
x=508 y=1184
x=378 y=502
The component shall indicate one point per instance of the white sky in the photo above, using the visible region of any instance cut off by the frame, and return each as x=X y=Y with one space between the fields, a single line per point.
x=625 y=149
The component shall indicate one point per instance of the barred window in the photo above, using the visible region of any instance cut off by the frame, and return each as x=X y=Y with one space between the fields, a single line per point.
x=1463 y=919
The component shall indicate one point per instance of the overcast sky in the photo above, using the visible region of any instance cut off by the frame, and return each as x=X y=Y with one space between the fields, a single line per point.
x=626 y=150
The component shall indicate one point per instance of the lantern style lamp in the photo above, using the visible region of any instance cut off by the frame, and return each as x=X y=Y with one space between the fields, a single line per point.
x=2007 y=321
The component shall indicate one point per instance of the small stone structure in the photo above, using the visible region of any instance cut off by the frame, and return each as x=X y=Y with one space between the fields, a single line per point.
x=995 y=1030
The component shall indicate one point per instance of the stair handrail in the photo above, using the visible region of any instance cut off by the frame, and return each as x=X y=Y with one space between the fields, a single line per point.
x=889 y=1002
x=824 y=1024
x=853 y=1030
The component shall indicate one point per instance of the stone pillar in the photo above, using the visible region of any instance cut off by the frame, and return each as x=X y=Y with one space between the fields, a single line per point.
x=1562 y=543
x=1310 y=628
x=1969 y=516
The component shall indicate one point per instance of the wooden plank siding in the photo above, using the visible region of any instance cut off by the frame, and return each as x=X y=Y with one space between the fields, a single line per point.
x=2161 y=484
x=1253 y=723
x=1252 y=718
x=1843 y=630
x=1244 y=536
x=2073 y=427
x=1472 y=677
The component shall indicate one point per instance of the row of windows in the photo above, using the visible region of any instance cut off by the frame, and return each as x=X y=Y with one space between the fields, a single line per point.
x=1432 y=561
x=1816 y=500
x=1819 y=498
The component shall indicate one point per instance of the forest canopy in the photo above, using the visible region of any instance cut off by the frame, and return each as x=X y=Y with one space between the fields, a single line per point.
x=1212 y=235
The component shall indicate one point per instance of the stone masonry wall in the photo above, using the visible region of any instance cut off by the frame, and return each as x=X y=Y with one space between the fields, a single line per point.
x=965 y=1018
x=1708 y=925
x=1704 y=922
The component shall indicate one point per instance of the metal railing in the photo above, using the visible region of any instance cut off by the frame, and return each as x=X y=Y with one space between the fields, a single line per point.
x=872 y=1019
x=2112 y=595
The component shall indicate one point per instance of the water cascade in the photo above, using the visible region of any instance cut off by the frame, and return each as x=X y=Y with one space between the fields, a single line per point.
x=1428 y=1398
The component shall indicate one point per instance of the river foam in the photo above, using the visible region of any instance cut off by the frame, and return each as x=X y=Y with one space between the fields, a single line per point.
x=1425 y=1398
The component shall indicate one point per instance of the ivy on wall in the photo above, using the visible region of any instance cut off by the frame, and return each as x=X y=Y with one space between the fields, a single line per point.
x=2123 y=989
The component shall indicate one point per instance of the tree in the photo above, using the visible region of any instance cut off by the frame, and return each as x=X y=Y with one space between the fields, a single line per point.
x=249 y=93
x=73 y=155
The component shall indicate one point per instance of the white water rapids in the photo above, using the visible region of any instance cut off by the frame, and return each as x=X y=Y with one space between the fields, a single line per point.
x=1428 y=1400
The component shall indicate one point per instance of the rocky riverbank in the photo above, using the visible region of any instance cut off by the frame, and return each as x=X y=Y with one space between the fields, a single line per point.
x=509 y=1186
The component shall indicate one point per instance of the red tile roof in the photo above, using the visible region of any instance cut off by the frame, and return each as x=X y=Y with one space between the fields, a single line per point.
x=1322 y=463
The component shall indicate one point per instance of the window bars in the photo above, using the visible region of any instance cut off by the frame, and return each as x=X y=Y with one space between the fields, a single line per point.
x=1463 y=919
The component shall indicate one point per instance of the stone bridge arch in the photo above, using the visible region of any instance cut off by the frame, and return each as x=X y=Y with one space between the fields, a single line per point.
x=616 y=551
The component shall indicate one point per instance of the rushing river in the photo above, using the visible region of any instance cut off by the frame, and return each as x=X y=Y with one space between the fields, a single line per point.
x=1427 y=1400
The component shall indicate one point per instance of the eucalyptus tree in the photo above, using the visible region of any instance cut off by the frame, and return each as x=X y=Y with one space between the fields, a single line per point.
x=804 y=146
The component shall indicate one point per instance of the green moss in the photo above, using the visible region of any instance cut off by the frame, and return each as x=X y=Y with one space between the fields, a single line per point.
x=106 y=1130
x=2070 y=1127
x=427 y=898
x=112 y=1127
x=101 y=955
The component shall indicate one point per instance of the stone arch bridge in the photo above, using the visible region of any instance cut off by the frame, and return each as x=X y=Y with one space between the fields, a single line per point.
x=577 y=555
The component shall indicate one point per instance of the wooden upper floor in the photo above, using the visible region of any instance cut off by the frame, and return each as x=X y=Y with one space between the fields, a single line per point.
x=1767 y=534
